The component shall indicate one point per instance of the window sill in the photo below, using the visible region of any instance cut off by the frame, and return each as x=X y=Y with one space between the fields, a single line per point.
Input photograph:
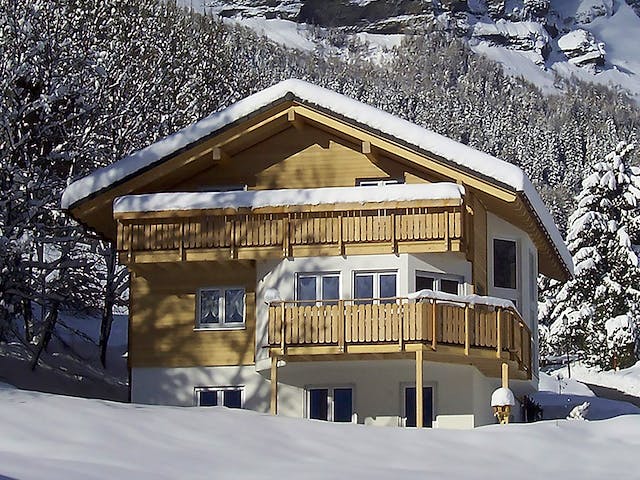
x=220 y=328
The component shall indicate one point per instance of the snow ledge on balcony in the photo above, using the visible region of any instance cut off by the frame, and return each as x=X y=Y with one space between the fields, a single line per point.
x=156 y=202
x=468 y=299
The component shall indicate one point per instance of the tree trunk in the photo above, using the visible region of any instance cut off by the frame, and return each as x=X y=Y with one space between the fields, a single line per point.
x=27 y=316
x=49 y=324
x=109 y=301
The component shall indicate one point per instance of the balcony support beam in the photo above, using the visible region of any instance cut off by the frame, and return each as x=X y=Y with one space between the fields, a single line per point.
x=274 y=384
x=419 y=389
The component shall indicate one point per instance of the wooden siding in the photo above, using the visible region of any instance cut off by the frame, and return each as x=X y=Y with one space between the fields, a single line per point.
x=199 y=235
x=163 y=312
x=295 y=158
x=479 y=246
x=371 y=326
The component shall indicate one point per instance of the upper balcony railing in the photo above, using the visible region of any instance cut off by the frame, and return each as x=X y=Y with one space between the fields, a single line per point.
x=210 y=235
x=465 y=333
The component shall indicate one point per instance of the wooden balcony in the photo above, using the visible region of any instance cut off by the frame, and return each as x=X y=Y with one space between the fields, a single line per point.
x=453 y=332
x=219 y=235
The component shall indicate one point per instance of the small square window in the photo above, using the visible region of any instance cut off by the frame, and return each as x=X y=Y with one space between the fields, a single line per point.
x=230 y=397
x=438 y=282
x=330 y=404
x=375 y=287
x=220 y=308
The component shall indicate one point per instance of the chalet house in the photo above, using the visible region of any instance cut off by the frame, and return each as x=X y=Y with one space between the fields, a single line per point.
x=303 y=253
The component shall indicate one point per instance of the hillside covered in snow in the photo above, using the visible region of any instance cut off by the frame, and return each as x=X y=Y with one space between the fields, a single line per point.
x=538 y=40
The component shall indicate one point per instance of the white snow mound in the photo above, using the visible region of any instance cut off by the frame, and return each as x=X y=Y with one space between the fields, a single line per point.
x=502 y=397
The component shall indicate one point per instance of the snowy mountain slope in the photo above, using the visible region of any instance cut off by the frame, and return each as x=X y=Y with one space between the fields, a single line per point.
x=49 y=436
x=589 y=40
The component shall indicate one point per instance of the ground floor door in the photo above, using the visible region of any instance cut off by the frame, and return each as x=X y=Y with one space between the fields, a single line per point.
x=410 y=406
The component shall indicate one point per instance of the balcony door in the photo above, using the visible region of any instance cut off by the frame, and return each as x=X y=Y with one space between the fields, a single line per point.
x=410 y=406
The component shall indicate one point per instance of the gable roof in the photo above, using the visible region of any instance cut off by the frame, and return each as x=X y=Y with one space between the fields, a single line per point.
x=489 y=168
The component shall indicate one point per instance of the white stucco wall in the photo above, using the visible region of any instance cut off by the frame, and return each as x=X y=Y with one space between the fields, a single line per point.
x=377 y=387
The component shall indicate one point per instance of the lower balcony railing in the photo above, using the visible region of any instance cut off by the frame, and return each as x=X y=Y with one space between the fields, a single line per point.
x=397 y=325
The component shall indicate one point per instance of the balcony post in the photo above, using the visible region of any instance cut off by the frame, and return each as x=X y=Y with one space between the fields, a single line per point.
x=419 y=388
x=434 y=321
x=467 y=313
x=394 y=236
x=499 y=332
x=505 y=375
x=342 y=327
x=283 y=330
x=274 y=384
x=285 y=237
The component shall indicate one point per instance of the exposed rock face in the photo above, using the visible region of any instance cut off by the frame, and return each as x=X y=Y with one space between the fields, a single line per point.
x=343 y=13
x=523 y=36
x=589 y=10
x=285 y=9
x=526 y=26
x=582 y=49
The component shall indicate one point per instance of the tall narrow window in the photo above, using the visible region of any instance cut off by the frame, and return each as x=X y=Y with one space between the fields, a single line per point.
x=504 y=263
x=333 y=404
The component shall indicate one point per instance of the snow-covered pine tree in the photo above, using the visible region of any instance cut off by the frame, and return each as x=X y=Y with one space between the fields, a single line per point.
x=596 y=312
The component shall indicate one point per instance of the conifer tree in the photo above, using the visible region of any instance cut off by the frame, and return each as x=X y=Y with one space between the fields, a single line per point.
x=596 y=312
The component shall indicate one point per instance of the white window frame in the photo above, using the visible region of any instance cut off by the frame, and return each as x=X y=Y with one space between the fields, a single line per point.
x=318 y=276
x=437 y=278
x=222 y=325
x=379 y=182
x=330 y=400
x=403 y=410
x=220 y=393
x=376 y=282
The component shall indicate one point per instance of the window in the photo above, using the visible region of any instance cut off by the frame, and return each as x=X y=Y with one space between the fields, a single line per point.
x=378 y=285
x=378 y=182
x=311 y=287
x=504 y=263
x=220 y=308
x=410 y=406
x=438 y=283
x=333 y=404
x=230 y=397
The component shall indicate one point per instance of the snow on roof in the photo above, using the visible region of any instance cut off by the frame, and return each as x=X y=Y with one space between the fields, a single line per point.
x=459 y=154
x=469 y=299
x=274 y=198
x=502 y=397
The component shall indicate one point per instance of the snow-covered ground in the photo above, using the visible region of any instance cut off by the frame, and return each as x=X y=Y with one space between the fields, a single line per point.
x=49 y=436
x=559 y=394
x=71 y=363
x=626 y=380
